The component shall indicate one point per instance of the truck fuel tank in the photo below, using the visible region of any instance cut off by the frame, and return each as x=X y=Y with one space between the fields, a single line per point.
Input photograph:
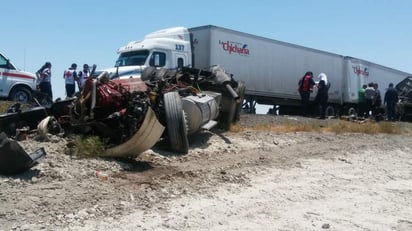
x=200 y=109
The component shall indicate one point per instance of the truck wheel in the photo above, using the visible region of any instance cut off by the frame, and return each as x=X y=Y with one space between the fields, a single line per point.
x=239 y=105
x=176 y=122
x=352 y=112
x=20 y=94
x=330 y=111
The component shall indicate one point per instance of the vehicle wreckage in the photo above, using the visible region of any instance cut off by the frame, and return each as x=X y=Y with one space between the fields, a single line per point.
x=404 y=106
x=132 y=114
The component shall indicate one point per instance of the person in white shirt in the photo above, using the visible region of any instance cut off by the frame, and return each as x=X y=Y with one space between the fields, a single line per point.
x=44 y=79
x=83 y=75
x=370 y=97
x=70 y=78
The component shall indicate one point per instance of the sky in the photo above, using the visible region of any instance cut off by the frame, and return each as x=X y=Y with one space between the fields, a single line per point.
x=90 y=31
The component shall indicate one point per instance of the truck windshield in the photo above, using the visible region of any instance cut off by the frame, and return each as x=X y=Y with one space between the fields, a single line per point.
x=133 y=58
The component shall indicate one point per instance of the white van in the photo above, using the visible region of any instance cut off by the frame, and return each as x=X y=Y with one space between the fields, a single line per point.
x=15 y=85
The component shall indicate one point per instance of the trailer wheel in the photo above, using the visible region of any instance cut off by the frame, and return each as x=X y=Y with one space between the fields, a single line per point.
x=239 y=105
x=176 y=122
x=352 y=112
x=330 y=111
x=20 y=94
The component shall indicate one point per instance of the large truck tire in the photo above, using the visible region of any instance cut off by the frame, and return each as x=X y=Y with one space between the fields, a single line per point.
x=352 y=112
x=176 y=123
x=330 y=111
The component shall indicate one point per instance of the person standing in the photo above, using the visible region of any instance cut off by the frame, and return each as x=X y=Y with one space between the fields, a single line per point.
x=361 y=101
x=324 y=77
x=378 y=101
x=306 y=84
x=83 y=75
x=321 y=99
x=70 y=77
x=44 y=79
x=370 y=97
x=391 y=99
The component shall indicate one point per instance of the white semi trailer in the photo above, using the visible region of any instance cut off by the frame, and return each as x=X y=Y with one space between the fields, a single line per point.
x=269 y=68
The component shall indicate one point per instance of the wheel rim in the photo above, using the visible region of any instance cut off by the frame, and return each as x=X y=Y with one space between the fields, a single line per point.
x=330 y=111
x=21 y=96
x=352 y=112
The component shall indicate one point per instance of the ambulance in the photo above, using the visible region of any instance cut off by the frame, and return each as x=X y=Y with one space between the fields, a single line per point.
x=15 y=85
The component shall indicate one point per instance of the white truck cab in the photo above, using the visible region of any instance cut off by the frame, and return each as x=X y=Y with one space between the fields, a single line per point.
x=15 y=85
x=169 y=48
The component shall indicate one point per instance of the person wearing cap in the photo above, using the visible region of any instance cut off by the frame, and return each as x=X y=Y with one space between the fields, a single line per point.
x=44 y=79
x=391 y=99
x=70 y=78
x=83 y=75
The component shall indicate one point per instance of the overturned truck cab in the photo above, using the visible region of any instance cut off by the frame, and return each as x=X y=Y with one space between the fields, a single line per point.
x=133 y=114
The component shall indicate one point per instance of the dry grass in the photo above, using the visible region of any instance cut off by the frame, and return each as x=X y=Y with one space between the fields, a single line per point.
x=367 y=127
x=5 y=105
x=284 y=127
x=335 y=126
x=88 y=147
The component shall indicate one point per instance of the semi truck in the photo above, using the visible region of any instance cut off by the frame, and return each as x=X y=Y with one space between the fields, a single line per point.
x=270 y=69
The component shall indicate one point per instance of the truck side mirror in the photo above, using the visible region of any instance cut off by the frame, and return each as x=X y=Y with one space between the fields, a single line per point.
x=117 y=64
x=156 y=60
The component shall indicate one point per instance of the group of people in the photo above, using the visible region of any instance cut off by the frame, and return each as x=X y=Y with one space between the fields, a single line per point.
x=306 y=85
x=369 y=97
x=70 y=76
x=370 y=101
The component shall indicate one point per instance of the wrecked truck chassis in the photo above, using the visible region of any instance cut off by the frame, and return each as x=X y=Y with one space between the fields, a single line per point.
x=183 y=102
x=133 y=114
x=404 y=106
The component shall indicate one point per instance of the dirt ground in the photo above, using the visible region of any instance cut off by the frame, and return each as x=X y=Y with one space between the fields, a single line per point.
x=249 y=180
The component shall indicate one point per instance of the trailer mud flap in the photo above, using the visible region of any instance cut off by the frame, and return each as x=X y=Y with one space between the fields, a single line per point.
x=147 y=136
